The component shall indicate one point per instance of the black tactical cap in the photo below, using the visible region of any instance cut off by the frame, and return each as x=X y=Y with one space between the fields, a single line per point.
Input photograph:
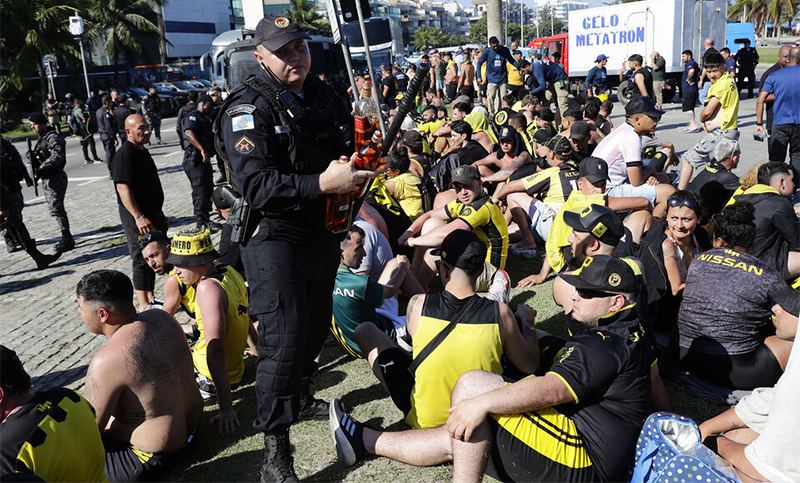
x=276 y=30
x=598 y=220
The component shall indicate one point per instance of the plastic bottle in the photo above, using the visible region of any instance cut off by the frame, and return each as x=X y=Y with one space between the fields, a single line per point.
x=366 y=114
x=339 y=209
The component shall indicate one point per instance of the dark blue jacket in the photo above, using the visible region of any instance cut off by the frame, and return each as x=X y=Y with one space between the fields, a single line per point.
x=545 y=72
x=496 y=72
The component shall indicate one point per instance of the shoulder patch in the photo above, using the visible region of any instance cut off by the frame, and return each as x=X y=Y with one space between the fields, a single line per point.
x=244 y=145
x=466 y=211
x=192 y=118
x=243 y=122
x=240 y=109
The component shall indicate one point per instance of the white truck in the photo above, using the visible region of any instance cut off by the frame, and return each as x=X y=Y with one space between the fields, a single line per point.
x=619 y=31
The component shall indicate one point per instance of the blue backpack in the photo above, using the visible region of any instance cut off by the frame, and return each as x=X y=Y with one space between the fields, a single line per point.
x=669 y=450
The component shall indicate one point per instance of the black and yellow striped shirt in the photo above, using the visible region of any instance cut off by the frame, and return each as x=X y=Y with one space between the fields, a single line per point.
x=485 y=220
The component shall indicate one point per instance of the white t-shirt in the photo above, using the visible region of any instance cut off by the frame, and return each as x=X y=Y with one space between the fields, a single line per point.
x=774 y=413
x=378 y=249
x=622 y=148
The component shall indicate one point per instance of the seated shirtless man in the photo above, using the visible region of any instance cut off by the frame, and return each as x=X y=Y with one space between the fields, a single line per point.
x=141 y=383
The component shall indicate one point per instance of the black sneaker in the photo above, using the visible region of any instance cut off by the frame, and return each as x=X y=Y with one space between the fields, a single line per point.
x=312 y=409
x=278 y=464
x=347 y=435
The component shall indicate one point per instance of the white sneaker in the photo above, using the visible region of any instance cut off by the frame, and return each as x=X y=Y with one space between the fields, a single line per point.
x=500 y=289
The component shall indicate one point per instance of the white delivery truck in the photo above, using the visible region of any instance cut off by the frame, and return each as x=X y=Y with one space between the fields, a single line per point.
x=666 y=26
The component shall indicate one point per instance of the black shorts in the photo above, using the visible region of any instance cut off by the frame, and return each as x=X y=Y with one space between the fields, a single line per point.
x=124 y=462
x=689 y=100
x=391 y=369
x=538 y=446
x=758 y=368
x=523 y=172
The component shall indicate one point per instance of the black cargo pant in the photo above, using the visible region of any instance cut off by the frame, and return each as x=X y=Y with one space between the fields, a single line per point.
x=786 y=138
x=291 y=272
x=201 y=177
x=55 y=189
x=109 y=147
x=144 y=278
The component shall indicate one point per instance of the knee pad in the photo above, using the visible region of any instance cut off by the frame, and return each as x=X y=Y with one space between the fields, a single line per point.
x=391 y=369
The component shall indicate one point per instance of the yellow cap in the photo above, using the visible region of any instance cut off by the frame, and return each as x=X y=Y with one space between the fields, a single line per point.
x=192 y=247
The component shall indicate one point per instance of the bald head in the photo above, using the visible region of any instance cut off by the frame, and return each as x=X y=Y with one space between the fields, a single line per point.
x=709 y=42
x=783 y=55
x=137 y=130
x=794 y=56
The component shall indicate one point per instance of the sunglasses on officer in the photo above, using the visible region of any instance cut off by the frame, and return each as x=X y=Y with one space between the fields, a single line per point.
x=675 y=201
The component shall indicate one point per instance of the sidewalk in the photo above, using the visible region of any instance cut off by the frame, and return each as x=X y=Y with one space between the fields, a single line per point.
x=39 y=308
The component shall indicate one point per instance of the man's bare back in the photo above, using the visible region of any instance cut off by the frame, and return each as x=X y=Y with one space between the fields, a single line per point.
x=142 y=384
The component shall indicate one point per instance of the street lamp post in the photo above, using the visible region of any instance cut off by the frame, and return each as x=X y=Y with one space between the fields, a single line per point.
x=76 y=28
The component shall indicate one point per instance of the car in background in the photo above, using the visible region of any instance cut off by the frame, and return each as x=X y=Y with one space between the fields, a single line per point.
x=169 y=106
x=181 y=96
x=179 y=85
x=203 y=82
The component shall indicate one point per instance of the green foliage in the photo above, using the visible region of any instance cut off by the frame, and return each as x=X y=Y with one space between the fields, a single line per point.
x=124 y=27
x=549 y=25
x=306 y=14
x=477 y=31
x=762 y=11
x=430 y=37
x=9 y=117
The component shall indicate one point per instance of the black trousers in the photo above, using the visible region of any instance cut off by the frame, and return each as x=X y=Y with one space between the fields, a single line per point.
x=88 y=142
x=144 y=278
x=291 y=273
x=110 y=149
x=201 y=177
x=786 y=138
x=751 y=81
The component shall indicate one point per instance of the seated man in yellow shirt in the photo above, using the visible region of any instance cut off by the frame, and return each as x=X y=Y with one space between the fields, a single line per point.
x=406 y=187
x=221 y=312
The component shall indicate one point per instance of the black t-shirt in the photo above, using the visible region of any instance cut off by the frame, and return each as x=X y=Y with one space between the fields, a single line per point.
x=471 y=152
x=136 y=168
x=607 y=369
x=389 y=99
x=402 y=81
x=711 y=50
x=714 y=185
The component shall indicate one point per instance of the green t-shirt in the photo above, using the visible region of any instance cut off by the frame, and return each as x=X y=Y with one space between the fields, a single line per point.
x=661 y=73
x=355 y=298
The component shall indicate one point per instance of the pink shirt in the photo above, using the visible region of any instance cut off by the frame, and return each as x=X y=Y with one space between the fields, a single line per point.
x=621 y=149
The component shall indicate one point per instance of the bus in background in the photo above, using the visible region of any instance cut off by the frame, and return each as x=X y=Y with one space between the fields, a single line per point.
x=385 y=41
x=231 y=58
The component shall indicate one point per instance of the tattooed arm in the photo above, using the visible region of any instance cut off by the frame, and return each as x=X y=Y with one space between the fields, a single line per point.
x=724 y=422
x=413 y=313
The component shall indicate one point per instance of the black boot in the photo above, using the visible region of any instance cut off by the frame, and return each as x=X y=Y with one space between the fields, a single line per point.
x=278 y=464
x=311 y=409
x=67 y=243
x=21 y=234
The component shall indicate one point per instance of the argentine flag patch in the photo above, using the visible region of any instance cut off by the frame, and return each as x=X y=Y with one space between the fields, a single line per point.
x=243 y=122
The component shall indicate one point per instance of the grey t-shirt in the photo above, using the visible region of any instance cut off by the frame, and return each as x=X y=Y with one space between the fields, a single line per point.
x=379 y=252
x=726 y=302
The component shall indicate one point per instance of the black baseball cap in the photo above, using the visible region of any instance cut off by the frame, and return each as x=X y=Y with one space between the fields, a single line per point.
x=277 y=30
x=594 y=169
x=789 y=300
x=560 y=145
x=579 y=130
x=38 y=118
x=204 y=98
x=466 y=174
x=603 y=273
x=506 y=133
x=541 y=136
x=643 y=105
x=462 y=249
x=598 y=220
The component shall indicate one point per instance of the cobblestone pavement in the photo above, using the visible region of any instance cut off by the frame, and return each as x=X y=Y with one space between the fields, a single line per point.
x=38 y=309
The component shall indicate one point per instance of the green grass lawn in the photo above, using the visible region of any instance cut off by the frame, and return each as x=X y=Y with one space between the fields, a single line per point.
x=768 y=55
x=238 y=457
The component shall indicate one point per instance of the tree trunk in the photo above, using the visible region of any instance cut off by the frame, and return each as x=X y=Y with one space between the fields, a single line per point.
x=42 y=81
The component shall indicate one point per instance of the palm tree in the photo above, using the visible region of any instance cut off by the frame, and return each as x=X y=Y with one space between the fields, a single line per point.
x=31 y=29
x=124 y=26
x=305 y=13
x=761 y=11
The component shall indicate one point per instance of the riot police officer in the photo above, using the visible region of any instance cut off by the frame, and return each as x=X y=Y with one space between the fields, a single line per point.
x=51 y=152
x=12 y=171
x=198 y=147
x=282 y=131
x=107 y=127
x=151 y=105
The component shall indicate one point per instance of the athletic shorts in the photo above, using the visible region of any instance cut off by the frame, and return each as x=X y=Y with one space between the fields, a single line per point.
x=485 y=278
x=541 y=217
x=125 y=462
x=440 y=84
x=391 y=369
x=538 y=446
x=702 y=153
x=626 y=190
x=758 y=368
x=689 y=101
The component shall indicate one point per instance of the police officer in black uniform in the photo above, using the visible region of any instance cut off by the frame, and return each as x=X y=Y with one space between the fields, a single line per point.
x=183 y=112
x=107 y=128
x=282 y=131
x=120 y=114
x=151 y=105
x=12 y=171
x=198 y=148
x=51 y=151
x=747 y=59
